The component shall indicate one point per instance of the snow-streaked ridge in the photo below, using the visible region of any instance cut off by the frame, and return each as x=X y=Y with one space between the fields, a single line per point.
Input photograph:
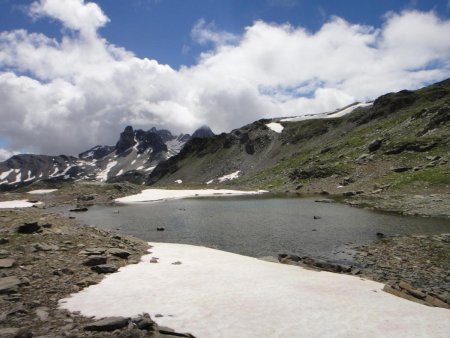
x=211 y=294
x=335 y=114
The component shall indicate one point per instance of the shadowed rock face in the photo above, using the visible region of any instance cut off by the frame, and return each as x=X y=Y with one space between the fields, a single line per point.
x=126 y=140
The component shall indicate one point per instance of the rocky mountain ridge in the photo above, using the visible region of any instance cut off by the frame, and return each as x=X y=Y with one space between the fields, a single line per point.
x=135 y=155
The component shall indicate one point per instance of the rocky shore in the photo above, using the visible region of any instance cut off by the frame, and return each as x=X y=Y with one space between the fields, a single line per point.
x=45 y=257
x=413 y=267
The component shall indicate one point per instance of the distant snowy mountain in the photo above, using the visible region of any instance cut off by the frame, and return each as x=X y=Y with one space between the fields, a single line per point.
x=135 y=155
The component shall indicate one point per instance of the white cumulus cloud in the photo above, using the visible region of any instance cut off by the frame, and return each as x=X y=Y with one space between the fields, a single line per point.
x=64 y=96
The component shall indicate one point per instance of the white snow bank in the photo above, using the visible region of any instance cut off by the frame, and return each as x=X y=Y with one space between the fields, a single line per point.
x=103 y=175
x=42 y=191
x=276 y=127
x=331 y=115
x=149 y=195
x=229 y=177
x=218 y=294
x=16 y=204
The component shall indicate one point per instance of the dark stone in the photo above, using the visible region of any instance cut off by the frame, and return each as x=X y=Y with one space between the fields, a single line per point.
x=86 y=198
x=104 y=268
x=144 y=322
x=312 y=172
x=29 y=228
x=401 y=169
x=317 y=217
x=348 y=193
x=24 y=333
x=380 y=235
x=4 y=240
x=79 y=209
x=107 y=324
x=119 y=253
x=160 y=229
x=94 y=260
x=374 y=145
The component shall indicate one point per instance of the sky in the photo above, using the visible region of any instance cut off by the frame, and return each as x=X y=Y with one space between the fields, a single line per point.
x=74 y=73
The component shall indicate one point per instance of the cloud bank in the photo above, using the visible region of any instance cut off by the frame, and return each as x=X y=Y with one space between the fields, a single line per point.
x=63 y=96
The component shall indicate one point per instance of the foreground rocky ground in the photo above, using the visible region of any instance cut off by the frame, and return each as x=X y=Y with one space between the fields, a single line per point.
x=44 y=258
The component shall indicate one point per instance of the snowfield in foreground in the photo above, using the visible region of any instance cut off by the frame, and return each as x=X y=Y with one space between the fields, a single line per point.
x=16 y=204
x=150 y=195
x=211 y=293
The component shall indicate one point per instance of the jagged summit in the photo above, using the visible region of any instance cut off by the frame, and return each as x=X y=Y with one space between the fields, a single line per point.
x=135 y=155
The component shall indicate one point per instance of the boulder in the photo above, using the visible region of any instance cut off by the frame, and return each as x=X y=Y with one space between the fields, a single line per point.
x=104 y=268
x=79 y=209
x=107 y=324
x=29 y=228
x=94 y=260
x=374 y=145
x=7 y=263
x=119 y=253
x=9 y=285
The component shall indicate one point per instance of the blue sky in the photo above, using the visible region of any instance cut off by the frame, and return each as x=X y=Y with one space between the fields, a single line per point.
x=74 y=73
x=161 y=29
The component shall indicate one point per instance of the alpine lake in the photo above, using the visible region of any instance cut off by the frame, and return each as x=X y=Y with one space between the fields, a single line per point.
x=259 y=226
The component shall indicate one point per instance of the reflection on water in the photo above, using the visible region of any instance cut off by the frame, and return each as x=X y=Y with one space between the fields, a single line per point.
x=259 y=226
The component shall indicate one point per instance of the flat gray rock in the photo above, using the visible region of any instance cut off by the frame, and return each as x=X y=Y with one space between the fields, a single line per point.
x=7 y=263
x=119 y=253
x=107 y=324
x=9 y=285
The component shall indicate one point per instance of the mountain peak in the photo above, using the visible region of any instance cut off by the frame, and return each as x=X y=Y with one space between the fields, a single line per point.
x=203 y=132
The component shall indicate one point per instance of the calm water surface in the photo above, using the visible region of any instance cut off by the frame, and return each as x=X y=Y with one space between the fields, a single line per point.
x=259 y=226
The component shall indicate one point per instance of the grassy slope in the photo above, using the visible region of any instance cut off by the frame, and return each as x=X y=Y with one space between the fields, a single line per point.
x=327 y=150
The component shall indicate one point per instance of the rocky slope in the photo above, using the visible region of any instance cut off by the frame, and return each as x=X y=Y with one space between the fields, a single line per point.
x=400 y=143
x=135 y=155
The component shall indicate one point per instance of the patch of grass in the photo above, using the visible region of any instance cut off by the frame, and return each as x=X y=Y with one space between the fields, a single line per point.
x=438 y=176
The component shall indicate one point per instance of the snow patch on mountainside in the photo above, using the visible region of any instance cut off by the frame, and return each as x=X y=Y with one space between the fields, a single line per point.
x=103 y=175
x=151 y=195
x=276 y=127
x=211 y=293
x=229 y=177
